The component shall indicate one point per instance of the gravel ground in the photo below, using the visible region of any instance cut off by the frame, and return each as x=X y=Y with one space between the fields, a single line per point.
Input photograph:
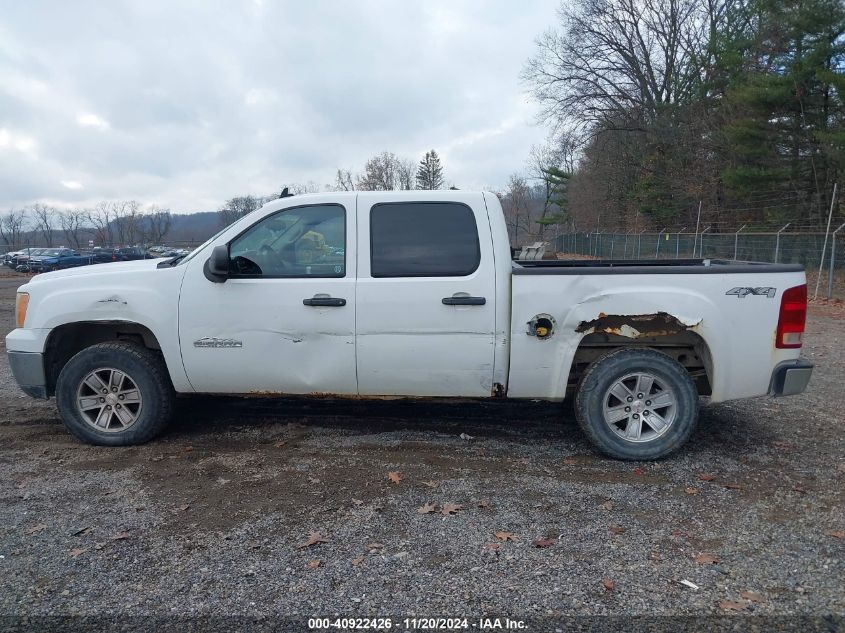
x=215 y=517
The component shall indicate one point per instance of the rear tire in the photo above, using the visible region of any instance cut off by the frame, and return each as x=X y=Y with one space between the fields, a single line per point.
x=637 y=404
x=115 y=394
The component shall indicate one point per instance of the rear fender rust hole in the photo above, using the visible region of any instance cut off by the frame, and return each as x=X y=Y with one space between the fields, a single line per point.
x=542 y=326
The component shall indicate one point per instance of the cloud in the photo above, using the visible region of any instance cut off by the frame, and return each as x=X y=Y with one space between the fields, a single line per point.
x=72 y=184
x=92 y=120
x=256 y=95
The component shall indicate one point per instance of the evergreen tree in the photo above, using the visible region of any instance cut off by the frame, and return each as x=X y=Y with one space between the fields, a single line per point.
x=430 y=172
x=556 y=182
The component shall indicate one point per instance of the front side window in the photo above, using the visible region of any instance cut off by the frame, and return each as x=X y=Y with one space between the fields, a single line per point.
x=299 y=242
x=423 y=239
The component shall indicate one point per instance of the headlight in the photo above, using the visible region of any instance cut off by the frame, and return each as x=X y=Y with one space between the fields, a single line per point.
x=21 y=304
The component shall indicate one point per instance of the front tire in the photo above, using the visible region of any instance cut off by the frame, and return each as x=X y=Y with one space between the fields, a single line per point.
x=115 y=394
x=637 y=404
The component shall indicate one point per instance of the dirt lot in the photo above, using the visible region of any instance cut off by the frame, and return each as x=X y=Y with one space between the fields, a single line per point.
x=213 y=517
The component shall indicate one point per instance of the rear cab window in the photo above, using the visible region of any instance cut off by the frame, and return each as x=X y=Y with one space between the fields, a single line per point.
x=423 y=239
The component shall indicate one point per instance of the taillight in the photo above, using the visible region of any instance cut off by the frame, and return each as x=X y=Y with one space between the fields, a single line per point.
x=793 y=314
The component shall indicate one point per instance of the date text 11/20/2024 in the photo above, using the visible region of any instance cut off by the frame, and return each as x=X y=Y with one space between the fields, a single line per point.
x=417 y=624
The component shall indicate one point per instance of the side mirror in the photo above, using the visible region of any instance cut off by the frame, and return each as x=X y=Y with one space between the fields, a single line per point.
x=216 y=268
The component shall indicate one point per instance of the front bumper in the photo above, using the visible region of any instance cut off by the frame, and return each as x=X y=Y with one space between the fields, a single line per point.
x=28 y=370
x=790 y=377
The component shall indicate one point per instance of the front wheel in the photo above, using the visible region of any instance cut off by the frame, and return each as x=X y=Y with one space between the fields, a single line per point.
x=115 y=394
x=637 y=404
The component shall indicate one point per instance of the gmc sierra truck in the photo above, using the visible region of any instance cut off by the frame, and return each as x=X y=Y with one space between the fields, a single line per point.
x=408 y=294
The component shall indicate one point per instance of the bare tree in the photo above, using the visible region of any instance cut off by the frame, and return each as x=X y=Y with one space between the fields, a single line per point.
x=343 y=181
x=100 y=218
x=12 y=226
x=72 y=222
x=386 y=172
x=515 y=204
x=158 y=221
x=618 y=64
x=45 y=219
x=236 y=208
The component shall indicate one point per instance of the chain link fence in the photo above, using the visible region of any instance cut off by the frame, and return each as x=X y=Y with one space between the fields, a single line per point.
x=787 y=247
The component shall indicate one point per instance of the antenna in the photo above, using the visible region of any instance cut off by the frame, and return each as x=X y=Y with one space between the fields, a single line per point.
x=285 y=193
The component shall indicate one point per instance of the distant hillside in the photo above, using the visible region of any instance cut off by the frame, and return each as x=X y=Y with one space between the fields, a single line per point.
x=193 y=227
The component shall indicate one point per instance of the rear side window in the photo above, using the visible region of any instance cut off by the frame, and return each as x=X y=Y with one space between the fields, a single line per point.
x=423 y=239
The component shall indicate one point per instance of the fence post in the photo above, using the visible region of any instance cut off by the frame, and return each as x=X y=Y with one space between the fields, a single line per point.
x=657 y=248
x=832 y=261
x=697 y=224
x=625 y=251
x=612 y=240
x=824 y=246
x=640 y=243
x=736 y=240
x=777 y=241
x=701 y=243
x=678 y=244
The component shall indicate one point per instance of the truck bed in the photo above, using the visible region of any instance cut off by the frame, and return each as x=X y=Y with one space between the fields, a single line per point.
x=649 y=266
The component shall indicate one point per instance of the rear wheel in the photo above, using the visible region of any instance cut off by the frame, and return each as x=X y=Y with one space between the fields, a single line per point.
x=115 y=394
x=637 y=404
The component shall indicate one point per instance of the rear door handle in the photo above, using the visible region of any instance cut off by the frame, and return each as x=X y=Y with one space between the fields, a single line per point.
x=324 y=301
x=464 y=301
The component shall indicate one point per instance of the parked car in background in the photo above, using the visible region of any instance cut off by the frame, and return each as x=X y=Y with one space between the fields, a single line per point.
x=123 y=254
x=56 y=259
x=11 y=259
x=21 y=262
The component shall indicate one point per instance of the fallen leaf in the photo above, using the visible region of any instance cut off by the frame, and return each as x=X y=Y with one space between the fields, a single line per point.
x=836 y=533
x=430 y=484
x=254 y=544
x=706 y=559
x=358 y=502
x=157 y=458
x=734 y=487
x=35 y=529
x=543 y=542
x=484 y=503
x=427 y=508
x=120 y=536
x=451 y=508
x=706 y=477
x=751 y=596
x=375 y=545
x=691 y=490
x=617 y=529
x=394 y=476
x=570 y=462
x=800 y=489
x=358 y=560
x=313 y=539
x=314 y=564
x=184 y=508
x=607 y=505
x=188 y=449
x=493 y=546
x=639 y=471
x=506 y=536
x=609 y=585
x=466 y=436
x=730 y=605
x=280 y=443
x=82 y=531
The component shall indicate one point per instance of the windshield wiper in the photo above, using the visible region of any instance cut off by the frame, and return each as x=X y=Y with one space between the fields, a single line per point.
x=169 y=263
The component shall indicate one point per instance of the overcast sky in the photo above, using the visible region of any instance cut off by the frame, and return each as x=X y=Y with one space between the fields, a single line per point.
x=185 y=104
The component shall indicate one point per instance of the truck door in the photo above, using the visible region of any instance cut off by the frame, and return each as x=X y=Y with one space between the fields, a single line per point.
x=426 y=296
x=284 y=321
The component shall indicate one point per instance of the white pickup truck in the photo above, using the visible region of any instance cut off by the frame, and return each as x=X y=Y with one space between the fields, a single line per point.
x=414 y=294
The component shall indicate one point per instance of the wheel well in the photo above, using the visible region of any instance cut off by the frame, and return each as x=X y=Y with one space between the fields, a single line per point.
x=686 y=347
x=67 y=340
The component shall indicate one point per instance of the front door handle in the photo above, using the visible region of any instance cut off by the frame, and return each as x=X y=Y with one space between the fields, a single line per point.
x=324 y=301
x=464 y=301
